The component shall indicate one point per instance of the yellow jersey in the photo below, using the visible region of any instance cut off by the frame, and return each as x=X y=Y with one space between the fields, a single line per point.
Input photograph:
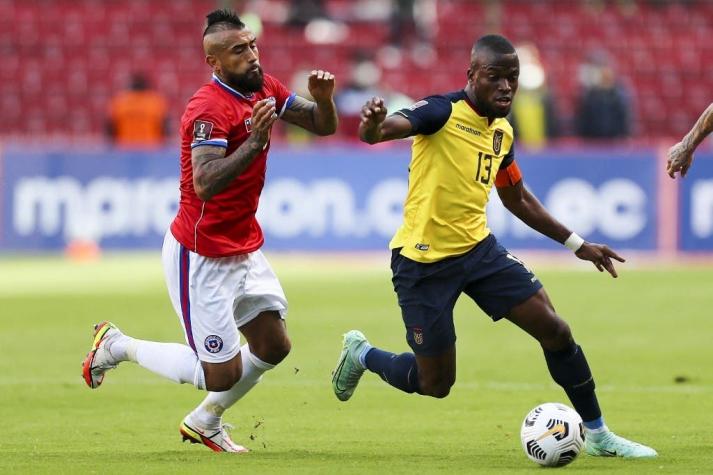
x=455 y=156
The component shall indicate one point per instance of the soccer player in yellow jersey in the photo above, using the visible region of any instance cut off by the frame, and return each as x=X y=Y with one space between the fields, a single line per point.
x=463 y=146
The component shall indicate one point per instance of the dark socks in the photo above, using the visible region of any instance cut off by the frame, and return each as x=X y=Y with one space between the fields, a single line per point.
x=400 y=371
x=569 y=369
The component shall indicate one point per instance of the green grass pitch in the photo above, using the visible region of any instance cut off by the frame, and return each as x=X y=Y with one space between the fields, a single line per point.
x=648 y=336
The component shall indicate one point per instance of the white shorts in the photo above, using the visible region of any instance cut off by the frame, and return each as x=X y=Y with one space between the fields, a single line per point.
x=213 y=297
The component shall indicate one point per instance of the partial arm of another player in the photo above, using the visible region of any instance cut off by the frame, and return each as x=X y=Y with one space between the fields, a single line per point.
x=213 y=170
x=375 y=127
x=680 y=156
x=523 y=204
x=320 y=116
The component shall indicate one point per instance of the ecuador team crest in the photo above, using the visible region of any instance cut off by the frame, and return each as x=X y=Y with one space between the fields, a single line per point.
x=497 y=141
x=418 y=336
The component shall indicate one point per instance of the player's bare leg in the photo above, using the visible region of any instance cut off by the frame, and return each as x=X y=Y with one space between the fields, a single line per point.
x=569 y=368
x=212 y=432
x=268 y=344
x=437 y=374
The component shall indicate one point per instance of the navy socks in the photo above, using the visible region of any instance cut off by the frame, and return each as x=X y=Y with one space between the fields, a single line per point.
x=399 y=371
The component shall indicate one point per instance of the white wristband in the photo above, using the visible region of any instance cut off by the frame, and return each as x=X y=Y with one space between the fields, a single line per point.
x=574 y=242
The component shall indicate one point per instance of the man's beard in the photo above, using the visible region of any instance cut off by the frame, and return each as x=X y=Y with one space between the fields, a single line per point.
x=251 y=81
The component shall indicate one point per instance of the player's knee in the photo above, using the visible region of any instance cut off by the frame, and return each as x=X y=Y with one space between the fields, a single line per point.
x=558 y=336
x=273 y=351
x=561 y=335
x=280 y=349
x=436 y=387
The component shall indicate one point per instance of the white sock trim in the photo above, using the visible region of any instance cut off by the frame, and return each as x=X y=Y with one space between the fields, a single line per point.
x=258 y=362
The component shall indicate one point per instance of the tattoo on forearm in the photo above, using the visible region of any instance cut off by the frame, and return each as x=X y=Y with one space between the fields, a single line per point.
x=213 y=171
x=306 y=114
x=703 y=127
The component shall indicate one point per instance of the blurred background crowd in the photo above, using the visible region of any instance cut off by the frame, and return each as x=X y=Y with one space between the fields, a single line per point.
x=122 y=70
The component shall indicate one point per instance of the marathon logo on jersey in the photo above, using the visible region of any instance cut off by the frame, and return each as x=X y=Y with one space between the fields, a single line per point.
x=213 y=343
x=418 y=335
x=497 y=141
x=249 y=124
x=202 y=130
x=422 y=247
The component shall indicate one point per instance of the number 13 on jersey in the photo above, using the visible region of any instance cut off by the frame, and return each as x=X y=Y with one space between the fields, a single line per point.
x=484 y=168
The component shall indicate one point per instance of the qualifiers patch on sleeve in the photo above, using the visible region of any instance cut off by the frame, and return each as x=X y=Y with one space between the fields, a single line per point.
x=418 y=104
x=202 y=130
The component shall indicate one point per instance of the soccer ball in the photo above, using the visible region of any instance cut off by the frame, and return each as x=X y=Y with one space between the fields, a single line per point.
x=552 y=434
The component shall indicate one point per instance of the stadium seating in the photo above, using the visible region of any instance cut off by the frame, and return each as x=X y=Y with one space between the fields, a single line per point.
x=64 y=59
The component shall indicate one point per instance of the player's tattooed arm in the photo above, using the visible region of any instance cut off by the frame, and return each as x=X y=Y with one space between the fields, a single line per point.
x=523 y=204
x=320 y=116
x=680 y=156
x=375 y=127
x=213 y=170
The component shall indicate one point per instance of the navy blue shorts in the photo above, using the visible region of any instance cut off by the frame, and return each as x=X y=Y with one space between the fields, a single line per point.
x=495 y=279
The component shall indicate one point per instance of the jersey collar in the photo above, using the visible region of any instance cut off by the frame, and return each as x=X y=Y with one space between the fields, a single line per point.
x=220 y=83
x=475 y=109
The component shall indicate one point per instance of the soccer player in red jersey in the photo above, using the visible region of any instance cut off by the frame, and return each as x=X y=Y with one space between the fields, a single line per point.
x=219 y=282
x=680 y=156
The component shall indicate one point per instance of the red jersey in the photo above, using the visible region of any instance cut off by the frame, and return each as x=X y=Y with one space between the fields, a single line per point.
x=225 y=225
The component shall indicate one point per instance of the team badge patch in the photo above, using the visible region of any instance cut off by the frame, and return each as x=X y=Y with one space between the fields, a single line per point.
x=497 y=141
x=249 y=124
x=213 y=343
x=418 y=336
x=202 y=130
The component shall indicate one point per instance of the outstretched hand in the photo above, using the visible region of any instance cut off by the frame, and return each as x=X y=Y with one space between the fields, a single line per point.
x=680 y=159
x=600 y=255
x=321 y=85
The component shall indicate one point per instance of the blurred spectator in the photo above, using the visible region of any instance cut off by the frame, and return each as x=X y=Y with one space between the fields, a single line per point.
x=412 y=25
x=363 y=84
x=246 y=11
x=138 y=116
x=302 y=12
x=534 y=118
x=603 y=109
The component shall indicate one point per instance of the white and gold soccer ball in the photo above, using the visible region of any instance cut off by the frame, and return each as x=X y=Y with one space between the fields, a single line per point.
x=552 y=434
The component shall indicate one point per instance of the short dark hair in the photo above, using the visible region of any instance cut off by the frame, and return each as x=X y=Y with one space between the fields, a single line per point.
x=222 y=20
x=494 y=43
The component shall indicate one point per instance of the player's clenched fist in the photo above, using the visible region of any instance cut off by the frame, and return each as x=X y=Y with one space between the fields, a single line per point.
x=264 y=115
x=321 y=85
x=373 y=112
x=680 y=159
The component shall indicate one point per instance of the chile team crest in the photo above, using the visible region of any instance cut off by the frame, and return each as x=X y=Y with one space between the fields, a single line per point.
x=213 y=343
x=497 y=141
